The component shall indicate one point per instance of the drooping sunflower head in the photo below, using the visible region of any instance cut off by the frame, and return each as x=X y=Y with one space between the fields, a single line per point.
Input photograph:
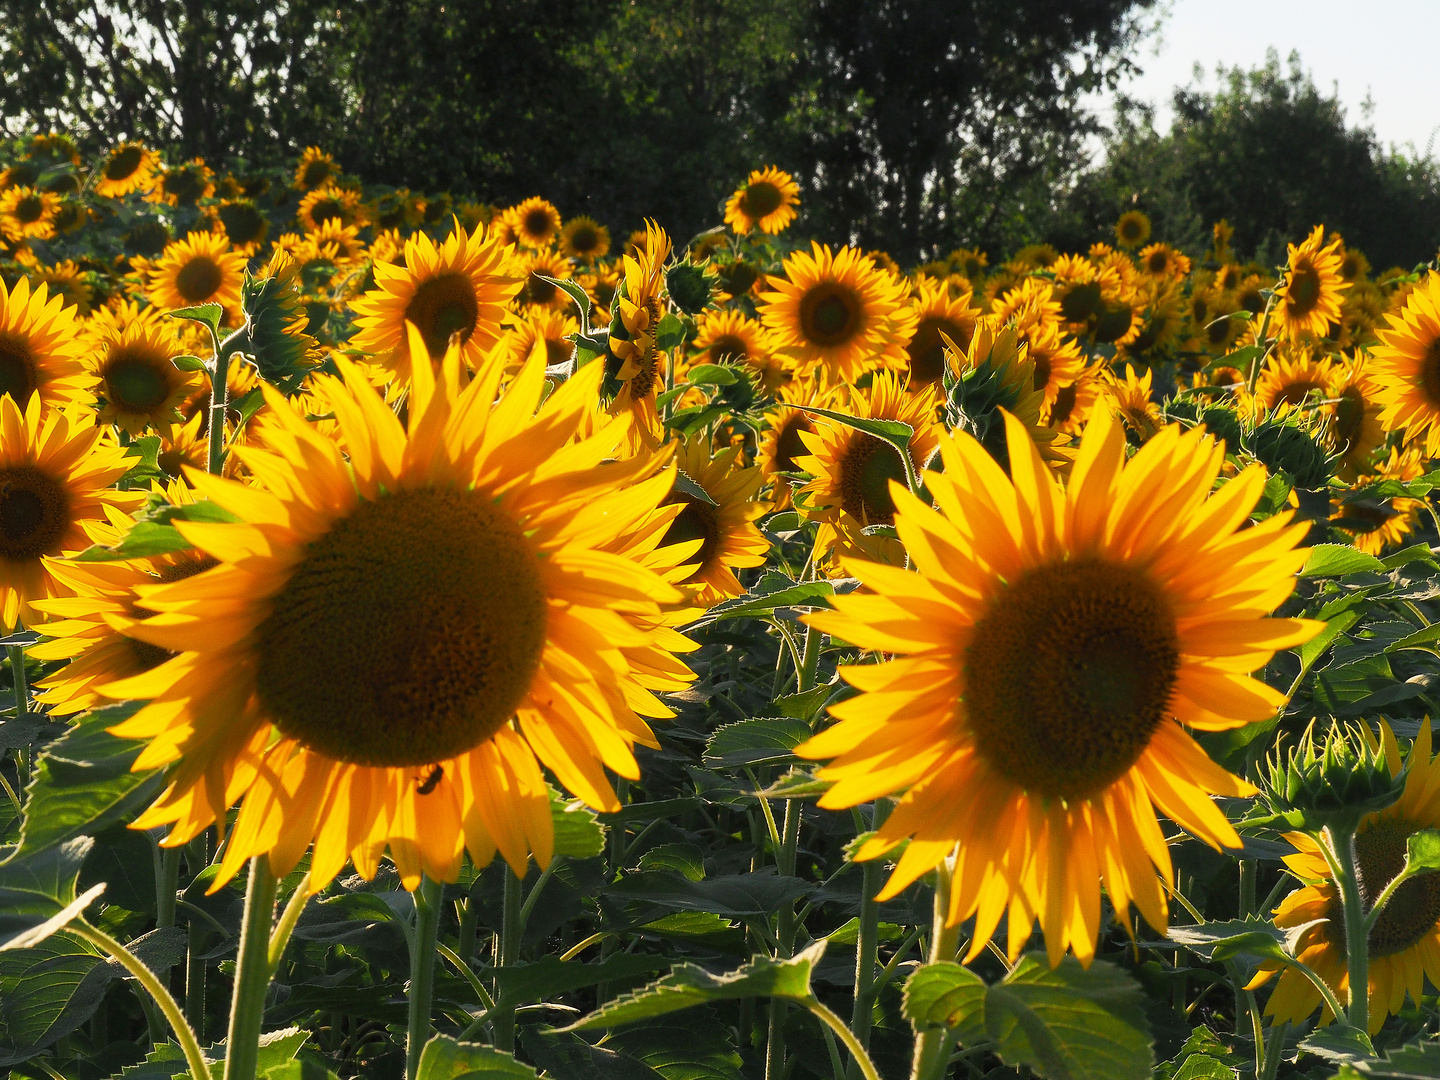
x=1047 y=649
x=766 y=201
x=136 y=379
x=940 y=312
x=202 y=268
x=1407 y=366
x=40 y=347
x=585 y=239
x=25 y=212
x=315 y=169
x=838 y=314
x=536 y=222
x=127 y=168
x=421 y=633
x=1133 y=229
x=1308 y=300
x=462 y=286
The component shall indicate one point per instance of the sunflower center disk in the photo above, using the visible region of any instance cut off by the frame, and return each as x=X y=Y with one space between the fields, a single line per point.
x=17 y=370
x=762 y=199
x=1413 y=911
x=1069 y=675
x=1430 y=372
x=695 y=522
x=442 y=306
x=729 y=347
x=34 y=510
x=197 y=280
x=136 y=383
x=1304 y=291
x=829 y=314
x=865 y=474
x=927 y=350
x=122 y=164
x=409 y=634
x=29 y=209
x=790 y=445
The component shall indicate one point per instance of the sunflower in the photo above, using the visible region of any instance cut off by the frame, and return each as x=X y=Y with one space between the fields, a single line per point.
x=136 y=379
x=1355 y=427
x=1375 y=525
x=781 y=444
x=632 y=336
x=585 y=239
x=187 y=444
x=1407 y=366
x=536 y=223
x=1045 y=656
x=199 y=269
x=1405 y=942
x=728 y=539
x=1074 y=402
x=1308 y=300
x=337 y=242
x=1290 y=378
x=40 y=347
x=938 y=311
x=460 y=287
x=1132 y=401
x=543 y=331
x=331 y=203
x=540 y=293
x=25 y=212
x=315 y=169
x=184 y=185
x=392 y=645
x=729 y=336
x=852 y=470
x=1133 y=229
x=127 y=168
x=838 y=314
x=67 y=281
x=55 y=468
x=1163 y=261
x=766 y=201
x=244 y=223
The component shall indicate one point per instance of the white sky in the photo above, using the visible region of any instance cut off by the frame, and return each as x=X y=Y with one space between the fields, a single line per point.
x=1383 y=48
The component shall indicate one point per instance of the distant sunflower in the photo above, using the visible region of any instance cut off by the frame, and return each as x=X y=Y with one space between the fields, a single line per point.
x=537 y=292
x=127 y=168
x=462 y=286
x=40 y=347
x=1377 y=525
x=245 y=224
x=632 y=335
x=585 y=239
x=781 y=444
x=199 y=269
x=331 y=203
x=1074 y=403
x=1163 y=261
x=184 y=185
x=1133 y=229
x=1407 y=366
x=838 y=315
x=853 y=469
x=542 y=331
x=67 y=281
x=315 y=169
x=1289 y=380
x=1308 y=300
x=25 y=212
x=395 y=640
x=729 y=336
x=186 y=445
x=1044 y=658
x=536 y=222
x=728 y=539
x=767 y=202
x=939 y=310
x=56 y=471
x=136 y=379
x=1355 y=428
x=1131 y=397
x=1405 y=943
x=338 y=242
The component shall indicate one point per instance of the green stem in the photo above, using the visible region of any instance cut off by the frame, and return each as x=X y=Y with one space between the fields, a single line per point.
x=17 y=672
x=511 y=930
x=835 y=1024
x=280 y=937
x=784 y=936
x=198 y=937
x=862 y=1015
x=810 y=661
x=219 y=393
x=1247 y=887
x=422 y=971
x=928 y=1061
x=252 y=973
x=166 y=885
x=1339 y=850
x=194 y=1058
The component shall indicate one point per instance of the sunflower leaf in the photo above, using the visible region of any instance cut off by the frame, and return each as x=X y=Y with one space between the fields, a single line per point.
x=1339 y=1042
x=762 y=741
x=578 y=832
x=38 y=887
x=208 y=314
x=567 y=1054
x=1337 y=560
x=670 y=333
x=947 y=995
x=1416 y=1061
x=189 y=363
x=573 y=290
x=711 y=375
x=445 y=1058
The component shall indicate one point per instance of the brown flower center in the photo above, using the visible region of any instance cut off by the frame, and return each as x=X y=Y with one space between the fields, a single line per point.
x=1412 y=912
x=1304 y=290
x=761 y=199
x=137 y=383
x=34 y=513
x=829 y=314
x=198 y=279
x=927 y=349
x=696 y=522
x=1430 y=372
x=866 y=469
x=441 y=306
x=123 y=163
x=17 y=368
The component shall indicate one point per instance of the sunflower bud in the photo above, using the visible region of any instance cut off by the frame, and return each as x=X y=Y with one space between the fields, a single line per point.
x=689 y=287
x=1286 y=446
x=1334 y=783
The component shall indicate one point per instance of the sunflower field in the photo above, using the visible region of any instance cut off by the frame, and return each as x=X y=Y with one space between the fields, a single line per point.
x=452 y=641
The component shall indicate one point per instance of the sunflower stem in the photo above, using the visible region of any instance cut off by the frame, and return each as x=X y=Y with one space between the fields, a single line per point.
x=929 y=1059
x=280 y=937
x=810 y=660
x=189 y=1044
x=859 y=1057
x=428 y=899
x=511 y=929
x=1341 y=857
x=252 y=973
x=219 y=394
x=866 y=943
x=22 y=700
x=784 y=936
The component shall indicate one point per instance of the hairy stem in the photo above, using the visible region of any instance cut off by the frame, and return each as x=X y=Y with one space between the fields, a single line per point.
x=422 y=971
x=252 y=973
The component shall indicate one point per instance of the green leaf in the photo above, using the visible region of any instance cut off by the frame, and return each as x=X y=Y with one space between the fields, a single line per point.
x=670 y=333
x=146 y=453
x=895 y=432
x=786 y=521
x=1219 y=941
x=573 y=290
x=578 y=832
x=700 y=1049
x=732 y=895
x=144 y=539
x=1422 y=855
x=1070 y=1023
x=711 y=375
x=1416 y=1061
x=686 y=486
x=48 y=991
x=1413 y=553
x=688 y=984
x=806 y=594
x=1203 y=1067
x=763 y=741
x=564 y=1053
x=806 y=705
x=83 y=782
x=1337 y=560
x=38 y=888
x=189 y=363
x=685 y=859
x=522 y=984
x=945 y=994
x=589 y=347
x=208 y=314
x=445 y=1058
x=1338 y=1042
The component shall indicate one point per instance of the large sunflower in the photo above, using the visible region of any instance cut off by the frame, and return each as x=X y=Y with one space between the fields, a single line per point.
x=1292 y=378
x=766 y=201
x=127 y=168
x=55 y=468
x=392 y=644
x=728 y=540
x=1308 y=300
x=25 y=212
x=459 y=287
x=1355 y=428
x=200 y=269
x=1045 y=656
x=40 y=346
x=1407 y=366
x=1405 y=943
x=838 y=314
x=939 y=310
x=136 y=379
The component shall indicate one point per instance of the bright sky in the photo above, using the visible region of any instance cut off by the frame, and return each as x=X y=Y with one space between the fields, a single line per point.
x=1383 y=48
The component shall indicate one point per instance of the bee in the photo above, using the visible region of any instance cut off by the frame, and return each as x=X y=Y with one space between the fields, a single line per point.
x=427 y=785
